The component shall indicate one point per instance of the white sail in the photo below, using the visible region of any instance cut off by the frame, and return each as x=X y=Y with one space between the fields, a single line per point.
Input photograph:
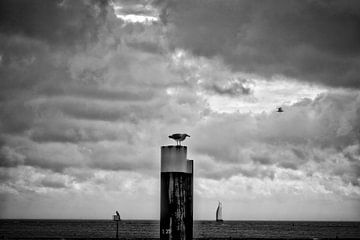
x=219 y=213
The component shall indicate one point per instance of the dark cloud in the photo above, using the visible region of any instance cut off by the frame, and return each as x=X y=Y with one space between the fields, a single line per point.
x=52 y=184
x=94 y=92
x=228 y=171
x=24 y=63
x=146 y=46
x=108 y=112
x=56 y=22
x=63 y=103
x=115 y=156
x=10 y=157
x=83 y=78
x=15 y=123
x=300 y=153
x=54 y=159
x=262 y=160
x=31 y=60
x=85 y=152
x=315 y=41
x=4 y=174
x=66 y=131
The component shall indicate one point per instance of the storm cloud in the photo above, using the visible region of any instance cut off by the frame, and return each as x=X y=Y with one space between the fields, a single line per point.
x=314 y=41
x=90 y=90
x=54 y=22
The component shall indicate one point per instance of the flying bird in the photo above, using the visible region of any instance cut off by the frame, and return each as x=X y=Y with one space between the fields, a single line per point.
x=280 y=109
x=179 y=137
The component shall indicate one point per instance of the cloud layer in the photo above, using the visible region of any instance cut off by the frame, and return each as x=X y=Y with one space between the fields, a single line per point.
x=84 y=115
x=314 y=41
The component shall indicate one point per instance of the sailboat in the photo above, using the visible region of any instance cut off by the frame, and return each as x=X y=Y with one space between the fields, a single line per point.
x=219 y=213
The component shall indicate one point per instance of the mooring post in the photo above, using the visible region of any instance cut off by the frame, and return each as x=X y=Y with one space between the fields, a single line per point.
x=176 y=210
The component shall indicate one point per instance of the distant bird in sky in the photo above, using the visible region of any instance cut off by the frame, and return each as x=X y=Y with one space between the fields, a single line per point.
x=280 y=109
x=179 y=137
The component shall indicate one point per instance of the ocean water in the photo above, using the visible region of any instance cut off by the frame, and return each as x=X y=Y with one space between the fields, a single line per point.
x=150 y=229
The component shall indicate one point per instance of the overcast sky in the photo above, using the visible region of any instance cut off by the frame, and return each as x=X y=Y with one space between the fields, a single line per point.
x=90 y=90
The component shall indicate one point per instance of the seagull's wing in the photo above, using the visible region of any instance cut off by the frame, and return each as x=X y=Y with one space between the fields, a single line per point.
x=176 y=136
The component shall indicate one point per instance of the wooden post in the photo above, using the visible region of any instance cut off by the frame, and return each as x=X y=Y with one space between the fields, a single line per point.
x=117 y=229
x=176 y=217
x=189 y=200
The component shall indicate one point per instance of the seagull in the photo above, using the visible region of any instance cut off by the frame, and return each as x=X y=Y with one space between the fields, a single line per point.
x=280 y=110
x=179 y=137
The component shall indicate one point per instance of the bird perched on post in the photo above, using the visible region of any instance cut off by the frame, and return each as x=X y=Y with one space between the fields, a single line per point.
x=179 y=137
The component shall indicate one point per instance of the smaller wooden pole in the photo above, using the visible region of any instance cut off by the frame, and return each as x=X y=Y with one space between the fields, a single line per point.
x=117 y=229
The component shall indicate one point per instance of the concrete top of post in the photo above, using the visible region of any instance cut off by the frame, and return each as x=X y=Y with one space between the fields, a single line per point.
x=173 y=158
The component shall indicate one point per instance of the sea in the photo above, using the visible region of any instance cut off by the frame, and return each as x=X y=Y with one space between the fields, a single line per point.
x=132 y=229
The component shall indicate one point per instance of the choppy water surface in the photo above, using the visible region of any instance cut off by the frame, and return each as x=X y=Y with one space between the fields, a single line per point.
x=150 y=229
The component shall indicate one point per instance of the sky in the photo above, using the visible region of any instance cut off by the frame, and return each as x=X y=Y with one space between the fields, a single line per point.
x=90 y=91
